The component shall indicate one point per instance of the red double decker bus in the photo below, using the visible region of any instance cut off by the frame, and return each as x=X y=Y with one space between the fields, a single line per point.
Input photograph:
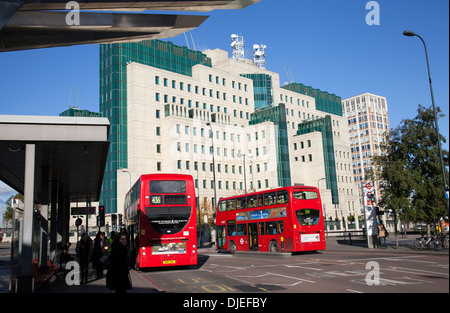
x=287 y=219
x=160 y=216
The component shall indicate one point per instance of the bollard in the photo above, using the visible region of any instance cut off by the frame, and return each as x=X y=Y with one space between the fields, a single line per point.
x=350 y=238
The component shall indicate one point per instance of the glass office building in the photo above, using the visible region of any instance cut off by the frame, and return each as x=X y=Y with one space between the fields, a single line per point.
x=113 y=95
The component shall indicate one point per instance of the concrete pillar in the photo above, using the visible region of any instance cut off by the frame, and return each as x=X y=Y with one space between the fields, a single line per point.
x=59 y=217
x=44 y=220
x=65 y=217
x=25 y=281
x=53 y=218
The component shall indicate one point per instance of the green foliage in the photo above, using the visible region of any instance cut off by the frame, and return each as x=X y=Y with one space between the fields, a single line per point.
x=7 y=216
x=410 y=170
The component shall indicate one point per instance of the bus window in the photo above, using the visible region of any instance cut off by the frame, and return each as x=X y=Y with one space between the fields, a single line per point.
x=269 y=198
x=231 y=228
x=231 y=205
x=282 y=196
x=305 y=195
x=241 y=203
x=242 y=229
x=222 y=206
x=167 y=186
x=252 y=201
x=308 y=216
x=280 y=227
x=260 y=200
x=271 y=228
x=261 y=228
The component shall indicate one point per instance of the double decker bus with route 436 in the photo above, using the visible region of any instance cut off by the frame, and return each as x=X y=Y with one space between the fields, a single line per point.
x=160 y=217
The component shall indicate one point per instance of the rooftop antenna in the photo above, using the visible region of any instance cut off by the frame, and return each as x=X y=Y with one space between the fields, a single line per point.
x=237 y=44
x=289 y=75
x=259 y=55
x=187 y=42
x=193 y=43
x=70 y=98
x=78 y=100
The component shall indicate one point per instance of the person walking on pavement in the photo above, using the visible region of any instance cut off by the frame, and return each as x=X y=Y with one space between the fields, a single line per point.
x=99 y=250
x=84 y=253
x=382 y=232
x=118 y=275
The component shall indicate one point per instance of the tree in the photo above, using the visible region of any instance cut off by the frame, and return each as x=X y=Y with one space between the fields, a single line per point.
x=410 y=169
x=205 y=208
x=8 y=215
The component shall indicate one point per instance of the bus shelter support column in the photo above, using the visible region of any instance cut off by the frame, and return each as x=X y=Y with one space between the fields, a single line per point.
x=44 y=220
x=25 y=281
x=53 y=218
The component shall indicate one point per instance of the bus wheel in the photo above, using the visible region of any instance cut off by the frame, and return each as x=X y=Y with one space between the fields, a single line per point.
x=273 y=246
x=232 y=247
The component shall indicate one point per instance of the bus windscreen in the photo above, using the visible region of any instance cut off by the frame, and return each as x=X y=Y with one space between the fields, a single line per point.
x=167 y=186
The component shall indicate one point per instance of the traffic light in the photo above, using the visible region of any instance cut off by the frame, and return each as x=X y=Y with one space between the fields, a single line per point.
x=114 y=222
x=120 y=221
x=101 y=216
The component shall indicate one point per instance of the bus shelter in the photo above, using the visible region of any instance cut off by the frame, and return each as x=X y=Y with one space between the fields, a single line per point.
x=52 y=161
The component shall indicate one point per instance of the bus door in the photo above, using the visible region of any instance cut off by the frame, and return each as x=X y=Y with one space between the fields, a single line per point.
x=253 y=236
x=220 y=237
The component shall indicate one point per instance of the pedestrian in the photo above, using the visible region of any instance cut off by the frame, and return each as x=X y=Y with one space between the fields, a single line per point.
x=84 y=254
x=111 y=240
x=99 y=250
x=375 y=241
x=382 y=234
x=59 y=255
x=118 y=275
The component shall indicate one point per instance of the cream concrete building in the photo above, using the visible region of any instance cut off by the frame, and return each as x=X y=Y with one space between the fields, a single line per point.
x=174 y=119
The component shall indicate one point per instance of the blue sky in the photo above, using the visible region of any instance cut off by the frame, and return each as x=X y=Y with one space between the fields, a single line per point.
x=324 y=43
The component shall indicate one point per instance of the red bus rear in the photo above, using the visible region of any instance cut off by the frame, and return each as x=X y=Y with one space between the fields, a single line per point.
x=288 y=219
x=160 y=214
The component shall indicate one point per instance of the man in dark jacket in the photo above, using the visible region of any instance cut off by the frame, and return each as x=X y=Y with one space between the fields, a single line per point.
x=84 y=253
x=118 y=278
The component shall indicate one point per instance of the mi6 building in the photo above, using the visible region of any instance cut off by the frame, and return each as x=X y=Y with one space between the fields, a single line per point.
x=175 y=110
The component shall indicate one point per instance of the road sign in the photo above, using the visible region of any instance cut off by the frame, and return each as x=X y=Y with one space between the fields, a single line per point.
x=369 y=186
x=82 y=210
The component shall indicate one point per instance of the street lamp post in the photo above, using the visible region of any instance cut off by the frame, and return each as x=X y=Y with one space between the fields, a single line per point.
x=409 y=33
x=245 y=181
x=214 y=165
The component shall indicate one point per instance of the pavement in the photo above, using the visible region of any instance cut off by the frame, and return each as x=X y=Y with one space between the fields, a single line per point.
x=142 y=284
